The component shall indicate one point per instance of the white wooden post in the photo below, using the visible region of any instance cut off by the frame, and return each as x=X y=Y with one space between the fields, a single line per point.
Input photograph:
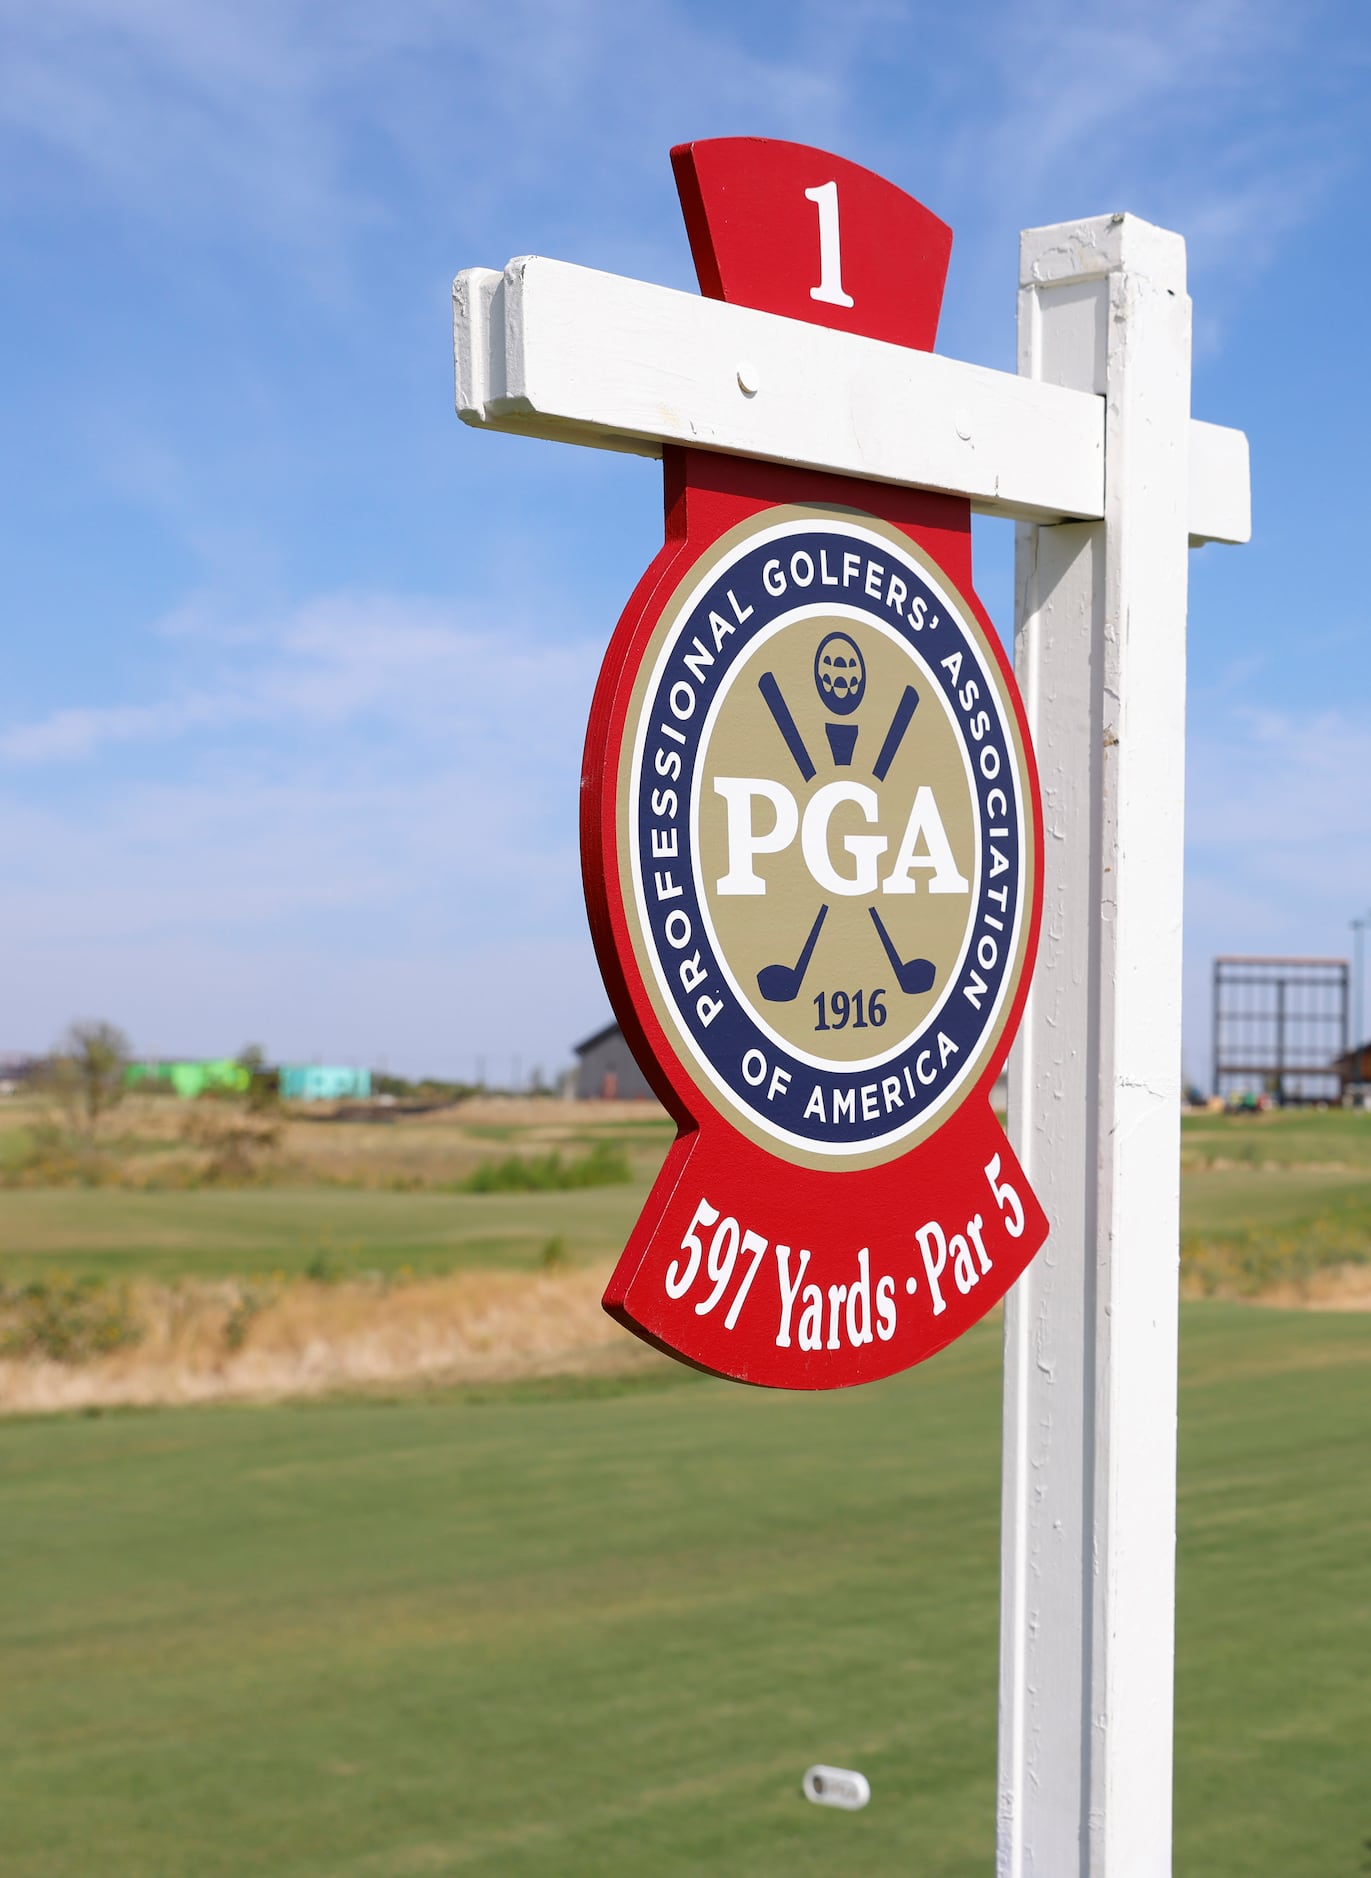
x=1088 y=1584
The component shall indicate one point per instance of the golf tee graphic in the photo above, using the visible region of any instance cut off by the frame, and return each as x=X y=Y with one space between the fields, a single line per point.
x=811 y=838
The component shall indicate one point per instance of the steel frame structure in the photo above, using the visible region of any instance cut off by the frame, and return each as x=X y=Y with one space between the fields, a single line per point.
x=1279 y=1026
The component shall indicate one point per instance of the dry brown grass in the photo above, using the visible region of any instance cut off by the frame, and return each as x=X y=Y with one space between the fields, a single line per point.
x=448 y=1144
x=161 y=1142
x=227 y=1341
x=1340 y=1288
x=231 y=1342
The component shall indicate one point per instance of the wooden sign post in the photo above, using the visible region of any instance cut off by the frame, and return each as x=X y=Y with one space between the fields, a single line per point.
x=1092 y=450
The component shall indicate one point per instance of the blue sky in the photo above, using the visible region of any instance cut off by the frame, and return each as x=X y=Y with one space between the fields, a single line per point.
x=297 y=667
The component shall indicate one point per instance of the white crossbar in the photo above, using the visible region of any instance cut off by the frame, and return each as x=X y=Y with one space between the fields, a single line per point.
x=546 y=349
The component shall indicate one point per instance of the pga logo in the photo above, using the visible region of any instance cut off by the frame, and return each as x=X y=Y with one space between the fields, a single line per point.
x=822 y=815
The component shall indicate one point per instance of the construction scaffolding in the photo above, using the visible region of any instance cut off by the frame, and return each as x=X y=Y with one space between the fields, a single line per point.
x=1280 y=1025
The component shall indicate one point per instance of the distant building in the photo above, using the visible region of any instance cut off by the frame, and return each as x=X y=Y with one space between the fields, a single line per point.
x=18 y=1071
x=324 y=1082
x=190 y=1078
x=606 y=1068
x=1354 y=1076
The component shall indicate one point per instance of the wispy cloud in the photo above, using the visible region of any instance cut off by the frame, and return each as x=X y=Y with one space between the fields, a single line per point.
x=1283 y=798
x=366 y=770
x=289 y=121
x=402 y=666
x=1182 y=111
x=1113 y=80
x=303 y=129
x=421 y=917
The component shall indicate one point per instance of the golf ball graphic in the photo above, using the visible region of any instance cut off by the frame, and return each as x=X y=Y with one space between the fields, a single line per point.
x=839 y=673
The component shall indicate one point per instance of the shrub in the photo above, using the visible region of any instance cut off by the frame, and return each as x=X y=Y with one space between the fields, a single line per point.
x=232 y=1140
x=65 y=1320
x=54 y=1156
x=604 y=1165
x=238 y=1323
x=554 y=1254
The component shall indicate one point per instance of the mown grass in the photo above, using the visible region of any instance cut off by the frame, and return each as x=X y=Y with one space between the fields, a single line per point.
x=1279 y=1138
x=564 y=1630
x=253 y=1232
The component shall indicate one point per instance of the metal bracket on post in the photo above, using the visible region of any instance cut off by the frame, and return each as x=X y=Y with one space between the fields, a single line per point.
x=1088 y=1584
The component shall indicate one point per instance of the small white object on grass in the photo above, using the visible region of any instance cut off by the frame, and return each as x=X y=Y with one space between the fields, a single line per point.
x=837 y=1786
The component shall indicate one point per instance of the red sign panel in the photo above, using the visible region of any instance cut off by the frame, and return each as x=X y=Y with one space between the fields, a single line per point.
x=797 y=231
x=811 y=839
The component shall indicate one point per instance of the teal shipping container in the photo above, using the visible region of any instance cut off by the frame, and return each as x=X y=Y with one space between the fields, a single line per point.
x=324 y=1082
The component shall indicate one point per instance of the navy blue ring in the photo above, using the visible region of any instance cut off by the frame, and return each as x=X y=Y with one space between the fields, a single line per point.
x=732 y=1033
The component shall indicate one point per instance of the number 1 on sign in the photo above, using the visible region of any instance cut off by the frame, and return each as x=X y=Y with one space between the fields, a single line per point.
x=824 y=196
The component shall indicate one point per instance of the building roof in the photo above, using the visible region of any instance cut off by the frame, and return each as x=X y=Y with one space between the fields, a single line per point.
x=1350 y=1059
x=601 y=1036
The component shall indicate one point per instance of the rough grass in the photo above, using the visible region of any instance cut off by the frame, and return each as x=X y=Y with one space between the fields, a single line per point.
x=156 y=1144
x=1277 y=1205
x=64 y=1321
x=65 y=1346
x=601 y=1627
x=1319 y=1255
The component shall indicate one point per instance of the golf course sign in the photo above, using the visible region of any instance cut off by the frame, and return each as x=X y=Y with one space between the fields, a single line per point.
x=813 y=847
x=811 y=838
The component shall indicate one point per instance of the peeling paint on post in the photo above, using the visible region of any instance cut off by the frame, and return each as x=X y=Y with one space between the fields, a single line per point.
x=1090 y=1331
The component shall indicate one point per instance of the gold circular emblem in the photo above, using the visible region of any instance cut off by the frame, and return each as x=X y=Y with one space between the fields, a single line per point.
x=825 y=846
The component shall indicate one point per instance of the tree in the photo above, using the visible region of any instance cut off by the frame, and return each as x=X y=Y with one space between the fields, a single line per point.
x=88 y=1071
x=264 y=1084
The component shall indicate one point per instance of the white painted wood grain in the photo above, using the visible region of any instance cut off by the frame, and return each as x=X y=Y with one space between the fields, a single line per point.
x=551 y=350
x=473 y=294
x=1220 y=485
x=1090 y=1331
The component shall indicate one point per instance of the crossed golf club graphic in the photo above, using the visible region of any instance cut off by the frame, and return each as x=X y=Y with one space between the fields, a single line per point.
x=840 y=679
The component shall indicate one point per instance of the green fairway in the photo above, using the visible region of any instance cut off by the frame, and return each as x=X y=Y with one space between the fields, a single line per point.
x=563 y=1632
x=1280 y=1138
x=1228 y=1200
x=256 y=1231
